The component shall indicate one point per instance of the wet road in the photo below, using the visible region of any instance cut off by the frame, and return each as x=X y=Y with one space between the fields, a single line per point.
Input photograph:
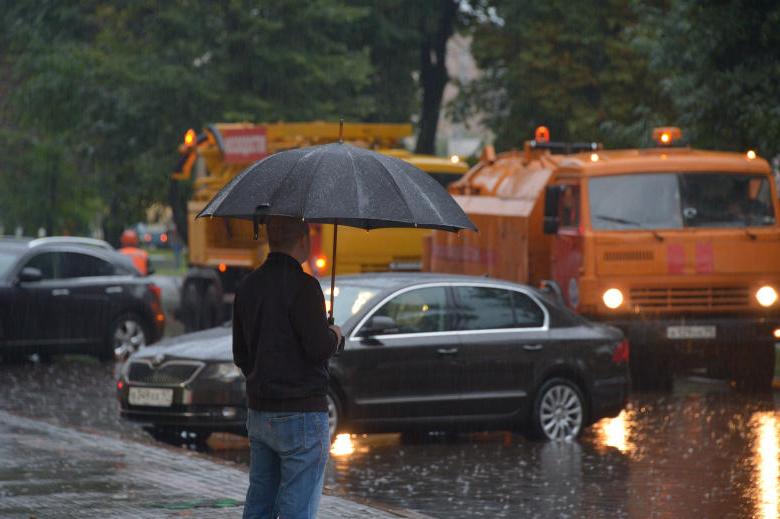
x=702 y=451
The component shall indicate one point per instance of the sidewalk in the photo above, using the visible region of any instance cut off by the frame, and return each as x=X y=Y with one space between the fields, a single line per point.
x=52 y=471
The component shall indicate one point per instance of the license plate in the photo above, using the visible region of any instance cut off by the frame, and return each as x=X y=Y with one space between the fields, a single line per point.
x=691 y=332
x=150 y=396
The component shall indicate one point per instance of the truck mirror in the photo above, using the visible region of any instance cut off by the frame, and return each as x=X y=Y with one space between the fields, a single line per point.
x=552 y=196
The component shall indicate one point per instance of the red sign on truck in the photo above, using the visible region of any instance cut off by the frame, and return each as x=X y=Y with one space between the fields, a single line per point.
x=244 y=145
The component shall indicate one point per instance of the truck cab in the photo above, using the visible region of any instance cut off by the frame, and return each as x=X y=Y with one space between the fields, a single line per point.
x=678 y=247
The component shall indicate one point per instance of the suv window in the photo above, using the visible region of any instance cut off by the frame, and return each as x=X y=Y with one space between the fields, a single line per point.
x=484 y=308
x=418 y=311
x=46 y=262
x=77 y=265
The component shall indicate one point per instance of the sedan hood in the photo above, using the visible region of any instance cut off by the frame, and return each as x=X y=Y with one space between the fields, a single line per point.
x=214 y=344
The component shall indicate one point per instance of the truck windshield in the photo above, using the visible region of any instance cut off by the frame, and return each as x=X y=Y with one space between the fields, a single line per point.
x=679 y=200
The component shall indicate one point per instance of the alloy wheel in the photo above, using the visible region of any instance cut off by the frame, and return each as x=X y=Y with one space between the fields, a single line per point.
x=129 y=337
x=561 y=412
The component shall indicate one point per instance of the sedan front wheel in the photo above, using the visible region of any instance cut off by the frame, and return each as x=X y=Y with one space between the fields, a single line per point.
x=559 y=410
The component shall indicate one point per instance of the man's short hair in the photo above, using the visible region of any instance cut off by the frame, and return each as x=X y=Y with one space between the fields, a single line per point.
x=284 y=231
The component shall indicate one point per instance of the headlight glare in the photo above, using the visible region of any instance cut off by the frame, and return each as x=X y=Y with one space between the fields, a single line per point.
x=226 y=371
x=766 y=296
x=613 y=298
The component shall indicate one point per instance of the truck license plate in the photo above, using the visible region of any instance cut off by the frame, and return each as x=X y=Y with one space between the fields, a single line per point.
x=150 y=396
x=691 y=332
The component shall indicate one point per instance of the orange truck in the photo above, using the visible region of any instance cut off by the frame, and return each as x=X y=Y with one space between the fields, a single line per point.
x=678 y=247
x=221 y=251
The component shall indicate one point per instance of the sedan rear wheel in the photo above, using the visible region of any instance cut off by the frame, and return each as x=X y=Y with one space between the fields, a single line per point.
x=334 y=415
x=559 y=410
x=128 y=335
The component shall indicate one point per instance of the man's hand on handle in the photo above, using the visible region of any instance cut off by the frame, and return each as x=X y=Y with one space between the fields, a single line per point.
x=340 y=338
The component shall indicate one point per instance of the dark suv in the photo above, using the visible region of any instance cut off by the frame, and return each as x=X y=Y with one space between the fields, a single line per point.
x=74 y=295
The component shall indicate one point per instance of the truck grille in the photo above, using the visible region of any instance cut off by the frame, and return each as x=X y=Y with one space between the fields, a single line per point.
x=171 y=373
x=692 y=298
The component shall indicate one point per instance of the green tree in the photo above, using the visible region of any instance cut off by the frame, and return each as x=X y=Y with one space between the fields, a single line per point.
x=111 y=86
x=720 y=64
x=572 y=67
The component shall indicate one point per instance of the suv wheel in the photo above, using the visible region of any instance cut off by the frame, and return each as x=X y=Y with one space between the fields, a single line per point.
x=127 y=335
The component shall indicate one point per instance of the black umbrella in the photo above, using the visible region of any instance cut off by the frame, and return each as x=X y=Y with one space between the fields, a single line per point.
x=341 y=185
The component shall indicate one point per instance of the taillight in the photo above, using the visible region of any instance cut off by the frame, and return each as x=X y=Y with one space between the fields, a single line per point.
x=154 y=289
x=621 y=352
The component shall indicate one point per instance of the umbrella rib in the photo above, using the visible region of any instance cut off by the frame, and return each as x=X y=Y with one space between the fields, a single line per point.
x=396 y=187
x=310 y=180
x=286 y=179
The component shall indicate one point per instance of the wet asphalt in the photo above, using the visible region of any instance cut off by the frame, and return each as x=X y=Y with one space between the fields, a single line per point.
x=701 y=451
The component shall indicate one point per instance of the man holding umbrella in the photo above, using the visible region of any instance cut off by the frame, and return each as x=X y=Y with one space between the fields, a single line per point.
x=282 y=343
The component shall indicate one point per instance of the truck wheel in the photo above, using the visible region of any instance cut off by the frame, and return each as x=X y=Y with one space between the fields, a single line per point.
x=753 y=367
x=650 y=370
x=190 y=307
x=212 y=307
x=559 y=411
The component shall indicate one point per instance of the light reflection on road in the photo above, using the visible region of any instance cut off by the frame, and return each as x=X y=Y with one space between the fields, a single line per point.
x=613 y=432
x=766 y=459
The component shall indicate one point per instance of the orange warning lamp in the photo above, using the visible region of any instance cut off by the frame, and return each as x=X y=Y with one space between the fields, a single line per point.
x=666 y=135
x=542 y=134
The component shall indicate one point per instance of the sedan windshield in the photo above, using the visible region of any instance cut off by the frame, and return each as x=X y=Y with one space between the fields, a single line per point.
x=679 y=200
x=348 y=300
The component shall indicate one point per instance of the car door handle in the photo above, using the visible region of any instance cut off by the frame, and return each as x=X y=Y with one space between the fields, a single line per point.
x=532 y=347
x=113 y=290
x=60 y=292
x=447 y=351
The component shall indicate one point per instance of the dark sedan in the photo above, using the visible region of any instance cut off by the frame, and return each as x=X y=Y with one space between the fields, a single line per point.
x=423 y=352
x=73 y=295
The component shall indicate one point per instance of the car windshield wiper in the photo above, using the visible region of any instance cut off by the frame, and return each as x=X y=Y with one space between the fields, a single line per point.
x=630 y=222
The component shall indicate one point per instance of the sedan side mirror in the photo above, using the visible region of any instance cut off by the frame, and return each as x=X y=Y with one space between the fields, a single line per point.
x=378 y=325
x=30 y=274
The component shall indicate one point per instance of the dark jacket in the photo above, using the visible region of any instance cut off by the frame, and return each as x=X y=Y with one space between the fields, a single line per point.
x=281 y=339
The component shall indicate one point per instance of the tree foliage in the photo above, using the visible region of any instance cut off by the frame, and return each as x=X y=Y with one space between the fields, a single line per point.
x=719 y=64
x=109 y=87
x=611 y=71
x=95 y=94
x=568 y=66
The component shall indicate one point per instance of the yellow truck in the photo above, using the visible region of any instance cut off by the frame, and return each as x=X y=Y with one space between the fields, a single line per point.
x=221 y=251
x=677 y=246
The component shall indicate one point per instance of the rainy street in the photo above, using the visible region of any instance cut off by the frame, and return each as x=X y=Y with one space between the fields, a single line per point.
x=701 y=451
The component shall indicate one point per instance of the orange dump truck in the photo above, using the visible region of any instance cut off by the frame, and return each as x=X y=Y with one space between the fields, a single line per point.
x=221 y=251
x=678 y=247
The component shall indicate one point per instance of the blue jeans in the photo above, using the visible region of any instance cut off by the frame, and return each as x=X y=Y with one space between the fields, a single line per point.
x=288 y=455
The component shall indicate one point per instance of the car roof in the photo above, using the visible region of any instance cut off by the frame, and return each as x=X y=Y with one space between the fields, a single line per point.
x=391 y=280
x=93 y=246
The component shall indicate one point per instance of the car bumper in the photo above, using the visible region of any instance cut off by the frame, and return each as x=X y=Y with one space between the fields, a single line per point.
x=211 y=418
x=610 y=396
x=691 y=334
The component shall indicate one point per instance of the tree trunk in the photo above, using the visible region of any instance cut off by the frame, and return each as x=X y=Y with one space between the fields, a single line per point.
x=433 y=77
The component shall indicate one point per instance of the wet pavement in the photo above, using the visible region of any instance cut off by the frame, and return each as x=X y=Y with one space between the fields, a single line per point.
x=51 y=471
x=701 y=451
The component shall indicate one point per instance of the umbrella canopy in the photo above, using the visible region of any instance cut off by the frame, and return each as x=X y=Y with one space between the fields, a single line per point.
x=342 y=185
x=339 y=183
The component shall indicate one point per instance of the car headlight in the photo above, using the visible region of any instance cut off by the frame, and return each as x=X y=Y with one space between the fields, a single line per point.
x=766 y=296
x=613 y=298
x=226 y=371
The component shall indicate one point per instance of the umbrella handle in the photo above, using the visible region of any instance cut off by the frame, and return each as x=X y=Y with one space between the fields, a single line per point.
x=333 y=269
